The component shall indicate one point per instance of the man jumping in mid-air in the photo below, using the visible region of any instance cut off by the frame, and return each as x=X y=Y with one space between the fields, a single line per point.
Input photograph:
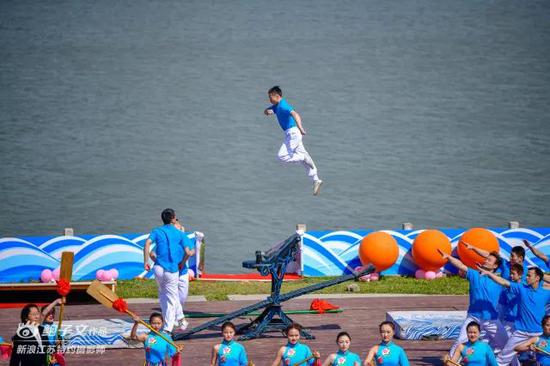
x=292 y=150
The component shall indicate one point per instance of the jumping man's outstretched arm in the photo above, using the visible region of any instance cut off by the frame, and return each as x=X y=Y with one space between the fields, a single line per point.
x=298 y=120
x=454 y=261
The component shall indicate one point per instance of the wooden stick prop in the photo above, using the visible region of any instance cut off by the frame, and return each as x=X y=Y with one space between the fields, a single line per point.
x=540 y=350
x=64 y=284
x=304 y=361
x=447 y=359
x=108 y=298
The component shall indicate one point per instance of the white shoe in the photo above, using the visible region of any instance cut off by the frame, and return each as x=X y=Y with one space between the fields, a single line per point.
x=317 y=187
x=182 y=324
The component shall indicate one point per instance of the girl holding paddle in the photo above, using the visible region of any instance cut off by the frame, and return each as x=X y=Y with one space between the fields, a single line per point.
x=157 y=349
x=474 y=352
x=386 y=353
x=296 y=353
x=229 y=352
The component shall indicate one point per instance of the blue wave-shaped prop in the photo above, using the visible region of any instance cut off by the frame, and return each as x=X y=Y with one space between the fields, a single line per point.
x=333 y=253
x=95 y=340
x=23 y=259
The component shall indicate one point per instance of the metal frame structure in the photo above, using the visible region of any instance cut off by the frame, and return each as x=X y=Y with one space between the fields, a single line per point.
x=273 y=318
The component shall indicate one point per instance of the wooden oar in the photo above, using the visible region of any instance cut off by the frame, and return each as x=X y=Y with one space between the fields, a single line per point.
x=447 y=359
x=65 y=273
x=304 y=361
x=105 y=296
x=540 y=350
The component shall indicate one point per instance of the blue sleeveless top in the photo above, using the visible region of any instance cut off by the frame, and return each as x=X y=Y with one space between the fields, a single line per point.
x=232 y=354
x=390 y=354
x=478 y=354
x=346 y=359
x=156 y=349
x=295 y=353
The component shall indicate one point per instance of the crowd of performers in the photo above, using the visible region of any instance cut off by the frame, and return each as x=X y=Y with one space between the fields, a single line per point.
x=506 y=316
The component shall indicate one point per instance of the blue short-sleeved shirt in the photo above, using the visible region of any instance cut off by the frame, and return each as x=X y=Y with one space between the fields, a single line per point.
x=187 y=244
x=509 y=305
x=232 y=354
x=157 y=349
x=346 y=359
x=484 y=296
x=169 y=249
x=505 y=268
x=478 y=354
x=294 y=353
x=544 y=344
x=390 y=354
x=282 y=111
x=531 y=306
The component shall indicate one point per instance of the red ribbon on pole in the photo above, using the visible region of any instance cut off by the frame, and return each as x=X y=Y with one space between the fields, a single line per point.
x=120 y=305
x=63 y=287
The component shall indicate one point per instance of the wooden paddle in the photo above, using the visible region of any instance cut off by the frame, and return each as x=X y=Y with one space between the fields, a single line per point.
x=105 y=296
x=303 y=361
x=446 y=359
x=540 y=350
x=65 y=273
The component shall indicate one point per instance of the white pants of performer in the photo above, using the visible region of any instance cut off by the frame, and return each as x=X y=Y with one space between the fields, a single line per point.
x=495 y=333
x=509 y=326
x=183 y=290
x=508 y=356
x=293 y=151
x=168 y=296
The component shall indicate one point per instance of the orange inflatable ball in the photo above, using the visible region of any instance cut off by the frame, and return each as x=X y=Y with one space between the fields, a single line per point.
x=424 y=249
x=480 y=238
x=380 y=249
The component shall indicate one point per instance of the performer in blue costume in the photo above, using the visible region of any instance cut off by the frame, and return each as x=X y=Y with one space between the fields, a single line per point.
x=343 y=357
x=474 y=352
x=157 y=350
x=387 y=353
x=540 y=345
x=483 y=308
x=508 y=301
x=229 y=352
x=292 y=150
x=294 y=351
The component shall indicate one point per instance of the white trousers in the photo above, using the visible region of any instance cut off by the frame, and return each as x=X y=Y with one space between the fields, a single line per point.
x=509 y=326
x=183 y=290
x=292 y=151
x=168 y=296
x=508 y=356
x=495 y=333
